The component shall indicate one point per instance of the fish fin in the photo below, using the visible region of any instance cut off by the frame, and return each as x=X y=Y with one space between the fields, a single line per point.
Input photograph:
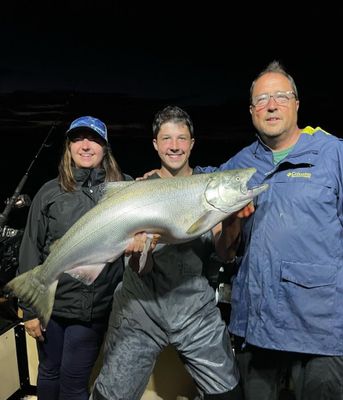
x=32 y=292
x=86 y=273
x=200 y=224
x=110 y=188
x=144 y=254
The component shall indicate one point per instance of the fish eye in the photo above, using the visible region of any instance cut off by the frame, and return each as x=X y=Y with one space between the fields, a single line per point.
x=237 y=178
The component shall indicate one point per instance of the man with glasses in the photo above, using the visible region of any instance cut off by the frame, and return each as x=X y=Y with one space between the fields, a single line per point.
x=287 y=312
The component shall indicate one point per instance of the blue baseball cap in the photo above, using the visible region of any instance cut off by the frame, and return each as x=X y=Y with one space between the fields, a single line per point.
x=89 y=123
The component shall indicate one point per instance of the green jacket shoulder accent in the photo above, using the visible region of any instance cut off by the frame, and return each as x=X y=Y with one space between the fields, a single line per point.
x=310 y=131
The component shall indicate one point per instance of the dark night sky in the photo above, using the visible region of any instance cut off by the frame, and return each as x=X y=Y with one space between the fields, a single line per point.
x=122 y=62
x=205 y=53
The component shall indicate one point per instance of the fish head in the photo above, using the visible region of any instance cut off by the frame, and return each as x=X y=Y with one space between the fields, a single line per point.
x=227 y=191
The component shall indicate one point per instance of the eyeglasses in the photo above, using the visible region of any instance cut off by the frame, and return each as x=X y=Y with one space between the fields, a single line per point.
x=281 y=98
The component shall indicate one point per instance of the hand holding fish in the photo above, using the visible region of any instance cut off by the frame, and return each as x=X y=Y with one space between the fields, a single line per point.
x=245 y=211
x=140 y=248
x=228 y=233
x=139 y=242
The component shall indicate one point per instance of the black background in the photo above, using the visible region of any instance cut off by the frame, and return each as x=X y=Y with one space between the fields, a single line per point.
x=122 y=62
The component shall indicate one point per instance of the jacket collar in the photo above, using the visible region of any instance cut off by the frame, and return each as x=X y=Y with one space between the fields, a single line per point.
x=88 y=176
x=305 y=146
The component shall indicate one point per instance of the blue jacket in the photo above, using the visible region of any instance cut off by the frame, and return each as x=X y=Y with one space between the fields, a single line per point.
x=288 y=293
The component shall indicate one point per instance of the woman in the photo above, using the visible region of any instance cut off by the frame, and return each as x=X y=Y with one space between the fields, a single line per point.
x=69 y=346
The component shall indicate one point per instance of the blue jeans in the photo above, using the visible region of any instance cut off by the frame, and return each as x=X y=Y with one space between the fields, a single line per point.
x=66 y=359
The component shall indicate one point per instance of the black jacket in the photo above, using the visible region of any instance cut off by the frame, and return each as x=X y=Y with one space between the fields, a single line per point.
x=52 y=213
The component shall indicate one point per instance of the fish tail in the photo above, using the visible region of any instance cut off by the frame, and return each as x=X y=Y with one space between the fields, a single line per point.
x=30 y=290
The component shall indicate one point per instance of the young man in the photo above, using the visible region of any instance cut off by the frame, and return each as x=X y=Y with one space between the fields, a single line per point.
x=170 y=301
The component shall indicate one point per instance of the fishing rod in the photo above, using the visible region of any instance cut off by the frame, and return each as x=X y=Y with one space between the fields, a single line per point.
x=13 y=199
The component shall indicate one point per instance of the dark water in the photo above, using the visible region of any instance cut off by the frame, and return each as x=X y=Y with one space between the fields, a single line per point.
x=26 y=118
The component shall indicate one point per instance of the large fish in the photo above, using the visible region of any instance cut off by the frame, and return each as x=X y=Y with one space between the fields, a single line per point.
x=179 y=209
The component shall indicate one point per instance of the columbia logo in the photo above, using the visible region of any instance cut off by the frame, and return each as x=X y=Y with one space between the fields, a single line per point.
x=299 y=174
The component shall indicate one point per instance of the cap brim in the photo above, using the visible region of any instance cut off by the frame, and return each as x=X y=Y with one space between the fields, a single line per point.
x=83 y=129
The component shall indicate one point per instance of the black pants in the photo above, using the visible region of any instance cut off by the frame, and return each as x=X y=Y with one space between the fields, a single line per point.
x=235 y=394
x=66 y=359
x=312 y=377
